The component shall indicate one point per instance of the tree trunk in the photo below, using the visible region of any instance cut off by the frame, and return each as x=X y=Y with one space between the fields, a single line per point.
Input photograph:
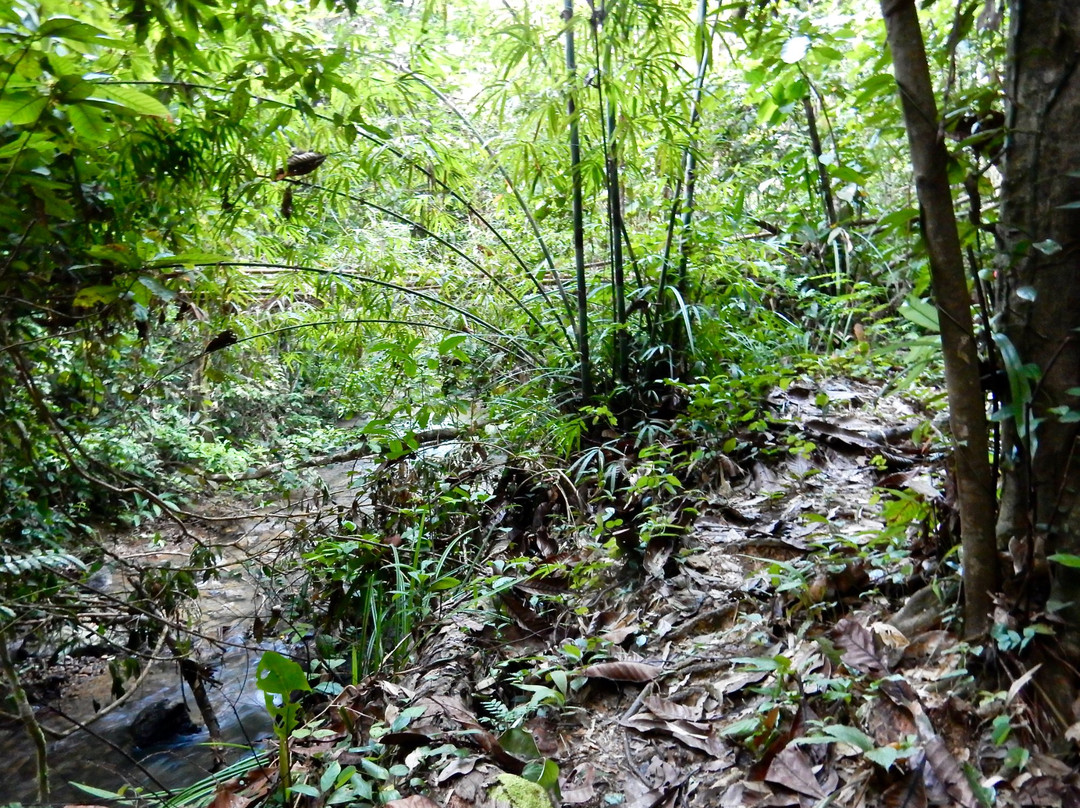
x=1039 y=299
x=967 y=404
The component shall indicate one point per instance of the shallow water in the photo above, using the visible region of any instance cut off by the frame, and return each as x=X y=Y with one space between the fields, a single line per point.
x=103 y=756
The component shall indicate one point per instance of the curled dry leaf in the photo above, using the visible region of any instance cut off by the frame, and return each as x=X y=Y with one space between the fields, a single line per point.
x=622 y=671
x=890 y=635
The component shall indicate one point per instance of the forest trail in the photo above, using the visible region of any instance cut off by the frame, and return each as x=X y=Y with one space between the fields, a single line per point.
x=795 y=648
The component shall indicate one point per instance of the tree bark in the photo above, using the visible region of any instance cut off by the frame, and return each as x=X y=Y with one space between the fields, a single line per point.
x=967 y=406
x=1039 y=294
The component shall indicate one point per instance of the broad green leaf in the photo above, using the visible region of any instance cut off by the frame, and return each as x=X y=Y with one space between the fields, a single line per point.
x=93 y=295
x=372 y=769
x=741 y=728
x=154 y=286
x=542 y=772
x=72 y=88
x=884 y=756
x=131 y=99
x=88 y=123
x=921 y=313
x=519 y=743
x=329 y=777
x=279 y=675
x=1065 y=560
x=851 y=736
x=69 y=28
x=1002 y=726
x=21 y=109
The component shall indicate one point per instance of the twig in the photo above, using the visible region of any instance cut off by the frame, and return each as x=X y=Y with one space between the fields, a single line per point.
x=29 y=720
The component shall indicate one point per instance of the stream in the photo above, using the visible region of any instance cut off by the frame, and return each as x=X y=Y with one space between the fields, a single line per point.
x=102 y=756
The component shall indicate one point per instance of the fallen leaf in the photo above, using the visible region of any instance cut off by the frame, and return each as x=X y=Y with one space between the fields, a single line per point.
x=227 y=798
x=415 y=801
x=1018 y=685
x=665 y=708
x=622 y=671
x=890 y=635
x=857 y=646
x=791 y=769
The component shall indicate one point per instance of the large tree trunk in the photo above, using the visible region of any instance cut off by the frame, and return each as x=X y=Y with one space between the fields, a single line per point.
x=1040 y=310
x=967 y=405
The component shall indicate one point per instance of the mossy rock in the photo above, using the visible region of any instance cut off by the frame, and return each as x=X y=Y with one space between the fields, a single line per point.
x=512 y=791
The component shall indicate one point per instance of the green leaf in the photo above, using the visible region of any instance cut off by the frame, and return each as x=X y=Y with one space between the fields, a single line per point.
x=70 y=28
x=741 y=728
x=542 y=772
x=303 y=788
x=406 y=717
x=1065 y=560
x=1047 y=246
x=374 y=770
x=154 y=286
x=22 y=109
x=93 y=295
x=884 y=756
x=131 y=99
x=88 y=123
x=1002 y=726
x=519 y=743
x=279 y=675
x=851 y=736
x=99 y=792
x=921 y=313
x=329 y=777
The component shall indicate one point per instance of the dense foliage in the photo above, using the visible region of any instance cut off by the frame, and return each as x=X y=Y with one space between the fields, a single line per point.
x=250 y=235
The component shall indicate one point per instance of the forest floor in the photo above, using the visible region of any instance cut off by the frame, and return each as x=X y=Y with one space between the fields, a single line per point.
x=795 y=646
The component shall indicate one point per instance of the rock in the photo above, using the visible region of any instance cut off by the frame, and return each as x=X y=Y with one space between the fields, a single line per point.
x=162 y=723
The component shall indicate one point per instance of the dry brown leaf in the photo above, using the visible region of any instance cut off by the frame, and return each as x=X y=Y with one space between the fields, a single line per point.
x=575 y=793
x=666 y=708
x=791 y=769
x=948 y=772
x=857 y=646
x=225 y=797
x=456 y=768
x=1018 y=685
x=622 y=671
x=840 y=435
x=890 y=635
x=415 y=801
x=657 y=554
x=1042 y=791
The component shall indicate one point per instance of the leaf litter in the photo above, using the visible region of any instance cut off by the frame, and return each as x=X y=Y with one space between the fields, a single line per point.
x=792 y=645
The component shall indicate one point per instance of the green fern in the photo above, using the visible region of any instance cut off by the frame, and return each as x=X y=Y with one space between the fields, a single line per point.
x=15 y=565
